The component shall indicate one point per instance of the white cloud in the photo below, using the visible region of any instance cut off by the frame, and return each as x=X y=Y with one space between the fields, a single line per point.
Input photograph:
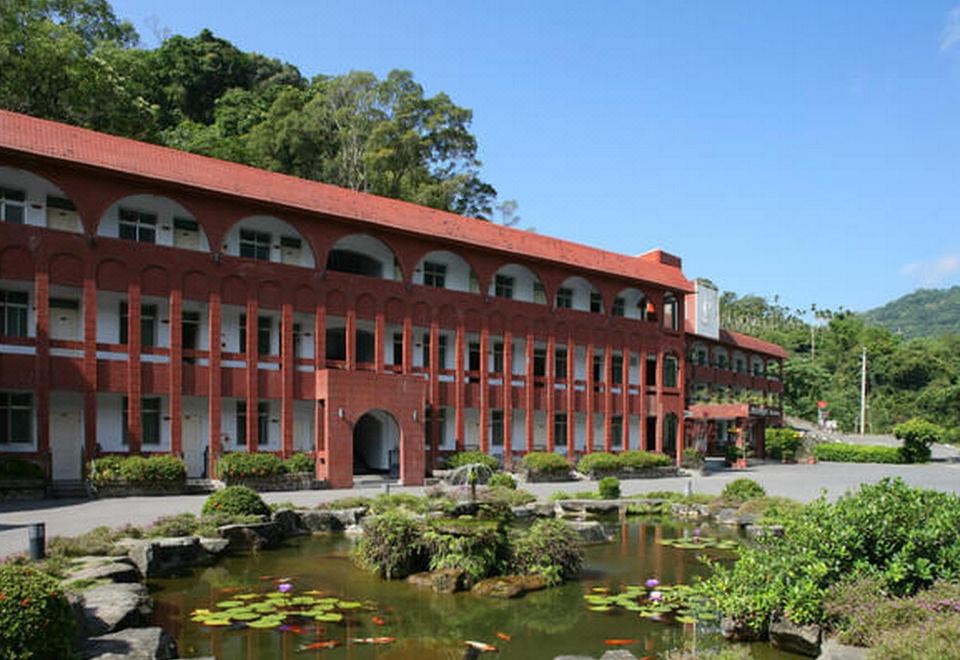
x=934 y=271
x=951 y=32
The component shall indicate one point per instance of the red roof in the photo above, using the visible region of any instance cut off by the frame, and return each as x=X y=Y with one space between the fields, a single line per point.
x=753 y=344
x=21 y=133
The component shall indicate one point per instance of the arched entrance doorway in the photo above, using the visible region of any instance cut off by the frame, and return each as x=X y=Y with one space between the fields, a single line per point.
x=376 y=444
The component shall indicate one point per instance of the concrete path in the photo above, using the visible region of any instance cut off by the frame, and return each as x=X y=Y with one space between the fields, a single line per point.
x=801 y=482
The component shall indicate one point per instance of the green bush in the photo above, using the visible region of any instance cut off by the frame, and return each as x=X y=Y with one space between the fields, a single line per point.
x=411 y=503
x=16 y=469
x=181 y=524
x=502 y=480
x=157 y=469
x=917 y=436
x=349 y=502
x=99 y=541
x=392 y=546
x=236 y=500
x=609 y=488
x=693 y=459
x=742 y=490
x=240 y=464
x=905 y=538
x=468 y=457
x=599 y=462
x=782 y=443
x=770 y=510
x=839 y=452
x=300 y=463
x=478 y=547
x=36 y=620
x=550 y=548
x=543 y=462
x=508 y=496
x=643 y=460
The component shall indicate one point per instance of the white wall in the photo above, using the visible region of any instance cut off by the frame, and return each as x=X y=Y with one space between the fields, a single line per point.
x=108 y=317
x=35 y=190
x=371 y=247
x=581 y=289
x=303 y=422
x=276 y=228
x=523 y=280
x=164 y=208
x=458 y=271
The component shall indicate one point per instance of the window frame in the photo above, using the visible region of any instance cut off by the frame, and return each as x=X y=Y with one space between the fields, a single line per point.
x=10 y=410
x=503 y=286
x=254 y=244
x=435 y=274
x=9 y=203
x=14 y=314
x=140 y=225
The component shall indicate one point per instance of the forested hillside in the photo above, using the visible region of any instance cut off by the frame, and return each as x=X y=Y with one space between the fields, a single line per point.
x=923 y=313
x=75 y=61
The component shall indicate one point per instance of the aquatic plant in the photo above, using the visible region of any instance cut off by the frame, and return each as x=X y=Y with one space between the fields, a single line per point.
x=655 y=601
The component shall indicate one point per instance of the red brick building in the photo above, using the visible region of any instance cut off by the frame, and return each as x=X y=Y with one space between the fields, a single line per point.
x=153 y=300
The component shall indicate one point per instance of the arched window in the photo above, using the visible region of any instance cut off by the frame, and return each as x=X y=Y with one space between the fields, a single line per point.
x=445 y=270
x=671 y=371
x=266 y=238
x=27 y=199
x=577 y=293
x=630 y=303
x=671 y=312
x=153 y=219
x=516 y=282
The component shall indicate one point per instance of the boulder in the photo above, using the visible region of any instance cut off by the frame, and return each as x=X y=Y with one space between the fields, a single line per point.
x=132 y=644
x=618 y=654
x=154 y=557
x=793 y=638
x=444 y=581
x=289 y=522
x=111 y=569
x=734 y=631
x=521 y=512
x=351 y=516
x=509 y=586
x=681 y=510
x=831 y=649
x=252 y=536
x=543 y=509
x=112 y=607
x=727 y=517
x=215 y=547
x=321 y=521
x=421 y=580
x=590 y=531
x=465 y=508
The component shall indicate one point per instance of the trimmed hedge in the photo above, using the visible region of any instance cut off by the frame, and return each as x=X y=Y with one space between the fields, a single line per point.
x=743 y=490
x=609 y=488
x=17 y=469
x=35 y=618
x=599 y=461
x=917 y=435
x=544 y=462
x=634 y=459
x=502 y=480
x=467 y=457
x=240 y=464
x=159 y=469
x=847 y=453
x=300 y=463
x=642 y=460
x=236 y=501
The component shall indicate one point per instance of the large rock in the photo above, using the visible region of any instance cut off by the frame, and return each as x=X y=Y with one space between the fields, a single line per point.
x=112 y=607
x=215 y=547
x=321 y=521
x=590 y=531
x=290 y=523
x=831 y=649
x=735 y=631
x=111 y=569
x=509 y=586
x=793 y=638
x=727 y=517
x=756 y=531
x=252 y=536
x=155 y=557
x=618 y=654
x=543 y=509
x=444 y=581
x=132 y=644
x=465 y=508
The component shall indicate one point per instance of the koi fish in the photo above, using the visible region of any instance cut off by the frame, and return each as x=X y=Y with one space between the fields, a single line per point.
x=374 y=640
x=296 y=630
x=481 y=646
x=620 y=642
x=326 y=644
x=504 y=636
x=266 y=577
x=378 y=620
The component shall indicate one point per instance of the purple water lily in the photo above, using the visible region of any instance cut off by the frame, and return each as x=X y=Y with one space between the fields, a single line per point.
x=284 y=587
x=696 y=532
x=651 y=583
x=656 y=596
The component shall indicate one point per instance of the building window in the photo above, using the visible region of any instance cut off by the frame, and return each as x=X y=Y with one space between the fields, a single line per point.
x=671 y=320
x=13 y=313
x=441 y=417
x=596 y=303
x=738 y=365
x=619 y=306
x=539 y=362
x=150 y=410
x=616 y=367
x=564 y=298
x=148 y=325
x=138 y=226
x=651 y=378
x=496 y=428
x=539 y=293
x=264 y=334
x=616 y=430
x=498 y=357
x=16 y=418
x=255 y=244
x=190 y=330
x=473 y=357
x=669 y=371
x=598 y=367
x=13 y=205
x=263 y=423
x=434 y=274
x=722 y=360
x=503 y=286
x=560 y=428
x=560 y=363
x=397 y=348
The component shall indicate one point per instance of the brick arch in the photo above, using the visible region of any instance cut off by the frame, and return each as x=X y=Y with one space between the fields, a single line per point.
x=63 y=186
x=66 y=269
x=195 y=286
x=485 y=286
x=366 y=306
x=136 y=191
x=336 y=303
x=421 y=314
x=420 y=256
x=233 y=290
x=405 y=269
x=296 y=225
x=304 y=299
x=154 y=281
x=112 y=275
x=395 y=310
x=269 y=295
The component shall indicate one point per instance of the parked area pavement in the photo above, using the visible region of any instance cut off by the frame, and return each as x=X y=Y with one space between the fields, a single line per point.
x=800 y=481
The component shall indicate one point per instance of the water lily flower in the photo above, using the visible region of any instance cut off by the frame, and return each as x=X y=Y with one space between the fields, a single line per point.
x=284 y=587
x=696 y=532
x=656 y=596
x=651 y=583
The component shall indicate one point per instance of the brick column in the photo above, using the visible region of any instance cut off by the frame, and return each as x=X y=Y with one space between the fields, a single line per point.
x=287 y=372
x=379 y=337
x=528 y=392
x=643 y=441
x=176 y=371
x=681 y=426
x=407 y=344
x=433 y=391
x=484 y=388
x=607 y=397
x=90 y=365
x=41 y=290
x=507 y=392
x=551 y=387
x=589 y=397
x=659 y=377
x=320 y=337
x=350 y=338
x=253 y=394
x=460 y=385
x=134 y=369
x=214 y=387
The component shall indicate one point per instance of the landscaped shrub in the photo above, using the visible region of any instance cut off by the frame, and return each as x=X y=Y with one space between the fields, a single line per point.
x=411 y=503
x=609 y=488
x=300 y=463
x=840 y=452
x=236 y=500
x=769 y=509
x=543 y=462
x=392 y=545
x=599 y=462
x=187 y=524
x=240 y=464
x=782 y=443
x=348 y=502
x=643 y=460
x=693 y=459
x=35 y=618
x=160 y=469
x=743 y=489
x=17 y=469
x=98 y=541
x=468 y=457
x=508 y=496
x=550 y=548
x=478 y=547
x=502 y=480
x=917 y=436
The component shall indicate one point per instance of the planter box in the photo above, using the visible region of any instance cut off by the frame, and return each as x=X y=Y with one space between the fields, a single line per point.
x=633 y=473
x=278 y=482
x=548 y=477
x=129 y=489
x=22 y=489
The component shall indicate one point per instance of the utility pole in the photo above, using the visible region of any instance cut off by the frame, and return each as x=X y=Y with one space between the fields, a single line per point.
x=863 y=391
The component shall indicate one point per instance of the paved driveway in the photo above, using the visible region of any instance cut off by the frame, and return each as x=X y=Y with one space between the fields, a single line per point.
x=801 y=482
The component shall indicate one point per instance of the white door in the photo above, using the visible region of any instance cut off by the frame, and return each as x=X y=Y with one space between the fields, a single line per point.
x=66 y=445
x=65 y=320
x=194 y=445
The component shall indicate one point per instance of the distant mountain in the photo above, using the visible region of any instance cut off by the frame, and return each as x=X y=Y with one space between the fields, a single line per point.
x=923 y=313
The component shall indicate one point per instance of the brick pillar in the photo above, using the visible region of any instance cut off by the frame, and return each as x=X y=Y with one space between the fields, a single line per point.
x=643 y=441
x=460 y=385
x=681 y=426
x=214 y=387
x=659 y=377
x=589 y=397
x=253 y=393
x=507 y=392
x=379 y=337
x=433 y=391
x=287 y=372
x=625 y=399
x=571 y=400
x=320 y=338
x=351 y=337
x=607 y=397
x=90 y=366
x=134 y=384
x=41 y=290
x=484 y=388
x=551 y=389
x=528 y=393
x=407 y=344
x=176 y=371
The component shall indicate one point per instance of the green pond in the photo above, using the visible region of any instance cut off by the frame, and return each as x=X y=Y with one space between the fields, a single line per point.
x=423 y=624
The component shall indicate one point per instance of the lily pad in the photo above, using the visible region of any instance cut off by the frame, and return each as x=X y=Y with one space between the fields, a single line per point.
x=329 y=617
x=226 y=604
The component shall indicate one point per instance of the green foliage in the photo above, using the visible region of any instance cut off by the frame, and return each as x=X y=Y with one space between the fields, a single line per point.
x=239 y=464
x=782 y=443
x=36 y=620
x=502 y=480
x=609 y=488
x=560 y=495
x=598 y=463
x=468 y=457
x=16 y=469
x=349 y=502
x=411 y=503
x=905 y=538
x=476 y=547
x=847 y=453
x=392 y=545
x=507 y=496
x=158 y=469
x=923 y=313
x=770 y=509
x=236 y=500
x=542 y=462
x=742 y=490
x=917 y=435
x=299 y=463
x=693 y=459
x=642 y=460
x=99 y=541
x=938 y=637
x=550 y=548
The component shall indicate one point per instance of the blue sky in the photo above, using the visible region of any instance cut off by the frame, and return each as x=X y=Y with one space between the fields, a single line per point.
x=806 y=149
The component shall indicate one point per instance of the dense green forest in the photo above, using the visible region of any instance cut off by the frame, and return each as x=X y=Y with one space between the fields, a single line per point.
x=907 y=377
x=75 y=61
x=923 y=313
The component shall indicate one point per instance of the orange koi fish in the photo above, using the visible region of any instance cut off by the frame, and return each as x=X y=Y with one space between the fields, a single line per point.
x=380 y=621
x=374 y=640
x=326 y=644
x=620 y=642
x=504 y=636
x=481 y=646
